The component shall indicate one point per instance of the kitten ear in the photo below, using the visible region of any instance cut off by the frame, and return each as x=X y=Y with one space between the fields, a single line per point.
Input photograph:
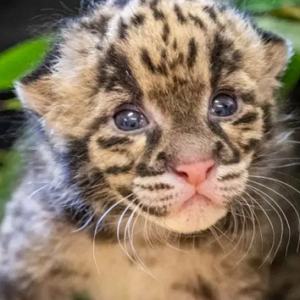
x=34 y=89
x=278 y=52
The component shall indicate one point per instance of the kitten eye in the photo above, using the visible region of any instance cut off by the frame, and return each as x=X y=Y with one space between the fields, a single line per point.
x=130 y=119
x=223 y=105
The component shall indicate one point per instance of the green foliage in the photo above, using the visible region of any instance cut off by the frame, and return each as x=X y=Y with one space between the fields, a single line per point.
x=259 y=6
x=17 y=60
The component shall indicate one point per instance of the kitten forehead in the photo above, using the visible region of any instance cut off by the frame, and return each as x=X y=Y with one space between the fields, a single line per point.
x=181 y=52
x=173 y=55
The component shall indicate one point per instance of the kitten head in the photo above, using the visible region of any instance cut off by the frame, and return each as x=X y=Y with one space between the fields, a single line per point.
x=163 y=106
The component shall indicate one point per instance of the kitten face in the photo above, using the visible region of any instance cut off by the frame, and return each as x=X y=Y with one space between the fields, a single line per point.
x=172 y=101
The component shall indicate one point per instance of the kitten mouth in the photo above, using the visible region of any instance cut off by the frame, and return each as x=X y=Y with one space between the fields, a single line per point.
x=200 y=200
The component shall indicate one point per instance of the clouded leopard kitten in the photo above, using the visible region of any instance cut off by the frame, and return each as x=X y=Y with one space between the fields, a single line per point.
x=157 y=170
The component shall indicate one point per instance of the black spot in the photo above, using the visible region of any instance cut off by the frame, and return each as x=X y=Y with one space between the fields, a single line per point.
x=162 y=156
x=113 y=141
x=100 y=27
x=155 y=211
x=145 y=58
x=116 y=170
x=143 y=170
x=211 y=12
x=163 y=55
x=197 y=21
x=121 y=77
x=76 y=155
x=165 y=33
x=247 y=118
x=155 y=187
x=122 y=29
x=96 y=124
x=234 y=63
x=229 y=176
x=217 y=59
x=219 y=146
x=181 y=18
x=268 y=124
x=251 y=145
x=248 y=97
x=157 y=14
x=174 y=45
x=152 y=142
x=180 y=58
x=138 y=19
x=192 y=53
x=127 y=193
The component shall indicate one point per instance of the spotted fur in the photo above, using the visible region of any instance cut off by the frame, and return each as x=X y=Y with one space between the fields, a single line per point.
x=88 y=185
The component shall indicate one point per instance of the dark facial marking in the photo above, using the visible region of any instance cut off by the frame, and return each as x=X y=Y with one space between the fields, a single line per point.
x=217 y=60
x=174 y=45
x=197 y=21
x=157 y=14
x=76 y=156
x=165 y=33
x=122 y=76
x=251 y=145
x=138 y=19
x=113 y=141
x=153 y=140
x=143 y=170
x=116 y=170
x=122 y=30
x=235 y=63
x=229 y=176
x=192 y=53
x=156 y=186
x=180 y=16
x=96 y=124
x=99 y=27
x=146 y=60
x=127 y=193
x=211 y=12
x=268 y=124
x=247 y=118
x=248 y=97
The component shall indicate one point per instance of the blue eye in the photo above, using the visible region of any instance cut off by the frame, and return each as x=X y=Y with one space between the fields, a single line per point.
x=223 y=106
x=129 y=120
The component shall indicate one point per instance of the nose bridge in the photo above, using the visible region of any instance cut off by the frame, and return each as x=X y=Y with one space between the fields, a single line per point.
x=190 y=147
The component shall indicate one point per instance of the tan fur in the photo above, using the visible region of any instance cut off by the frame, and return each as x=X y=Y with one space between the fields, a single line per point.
x=94 y=73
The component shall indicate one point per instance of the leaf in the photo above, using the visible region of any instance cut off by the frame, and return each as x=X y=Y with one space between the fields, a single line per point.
x=259 y=5
x=9 y=172
x=292 y=13
x=292 y=74
x=17 y=60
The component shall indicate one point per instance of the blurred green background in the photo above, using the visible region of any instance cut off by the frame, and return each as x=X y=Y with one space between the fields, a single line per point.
x=281 y=16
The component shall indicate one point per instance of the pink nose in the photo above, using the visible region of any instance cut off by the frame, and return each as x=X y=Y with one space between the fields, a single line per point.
x=195 y=173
